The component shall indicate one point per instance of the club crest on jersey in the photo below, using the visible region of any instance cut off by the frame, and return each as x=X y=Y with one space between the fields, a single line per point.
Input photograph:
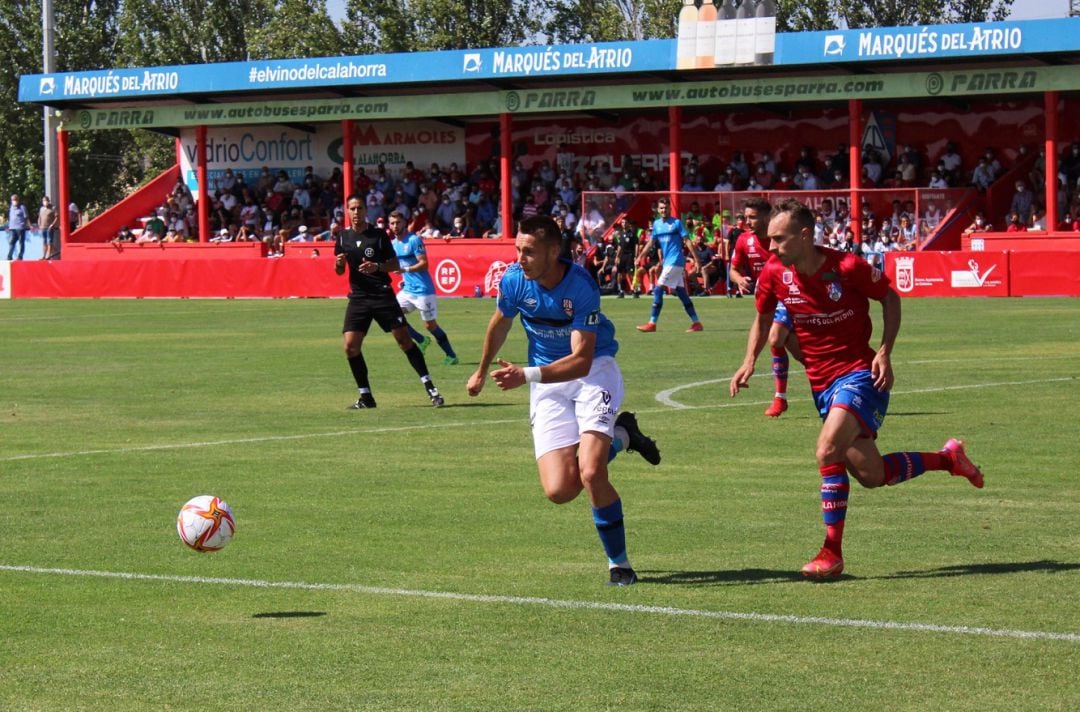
x=788 y=277
x=568 y=306
x=835 y=292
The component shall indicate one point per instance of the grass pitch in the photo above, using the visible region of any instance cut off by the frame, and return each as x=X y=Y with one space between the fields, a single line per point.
x=405 y=558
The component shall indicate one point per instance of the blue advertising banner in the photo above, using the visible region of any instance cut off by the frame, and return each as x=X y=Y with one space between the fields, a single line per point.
x=930 y=41
x=452 y=65
x=565 y=61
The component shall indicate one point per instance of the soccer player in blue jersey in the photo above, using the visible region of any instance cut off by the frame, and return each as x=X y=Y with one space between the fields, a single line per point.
x=671 y=237
x=417 y=291
x=575 y=386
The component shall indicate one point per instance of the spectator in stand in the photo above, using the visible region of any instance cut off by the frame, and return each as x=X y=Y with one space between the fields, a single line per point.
x=300 y=235
x=225 y=182
x=784 y=182
x=223 y=235
x=951 y=162
x=265 y=182
x=458 y=228
x=805 y=180
x=885 y=242
x=124 y=235
x=591 y=226
x=428 y=198
x=485 y=213
x=283 y=186
x=1022 y=202
x=148 y=236
x=825 y=177
x=384 y=183
x=1071 y=223
x=983 y=175
x=74 y=216
x=740 y=166
x=839 y=181
x=276 y=242
x=979 y=224
x=1070 y=163
x=1038 y=218
x=872 y=166
x=806 y=160
x=1016 y=223
x=764 y=177
x=938 y=180
x=375 y=206
x=723 y=183
x=302 y=196
x=178 y=226
x=931 y=217
x=907 y=167
x=247 y=234
x=840 y=159
x=995 y=165
x=692 y=182
x=529 y=209
x=907 y=237
x=400 y=204
x=445 y=213
x=48 y=220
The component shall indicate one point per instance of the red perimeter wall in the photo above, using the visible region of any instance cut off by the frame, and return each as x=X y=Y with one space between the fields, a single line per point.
x=458 y=270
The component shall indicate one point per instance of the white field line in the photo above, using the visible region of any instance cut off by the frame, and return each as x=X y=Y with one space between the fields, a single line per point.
x=663 y=397
x=666 y=397
x=564 y=604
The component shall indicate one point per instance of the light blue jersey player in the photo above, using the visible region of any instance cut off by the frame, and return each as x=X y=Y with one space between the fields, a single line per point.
x=417 y=292
x=575 y=386
x=670 y=236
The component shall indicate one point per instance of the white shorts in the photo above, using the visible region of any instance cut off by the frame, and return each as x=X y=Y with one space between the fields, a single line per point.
x=425 y=303
x=560 y=412
x=671 y=277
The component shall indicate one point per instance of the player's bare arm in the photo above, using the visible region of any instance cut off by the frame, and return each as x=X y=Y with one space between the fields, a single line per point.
x=755 y=342
x=494 y=338
x=740 y=280
x=420 y=266
x=576 y=364
x=881 y=367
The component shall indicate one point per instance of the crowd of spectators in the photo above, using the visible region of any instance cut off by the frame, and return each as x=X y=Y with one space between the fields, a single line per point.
x=456 y=201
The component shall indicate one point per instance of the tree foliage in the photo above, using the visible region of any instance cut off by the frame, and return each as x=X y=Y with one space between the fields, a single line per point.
x=797 y=15
x=407 y=25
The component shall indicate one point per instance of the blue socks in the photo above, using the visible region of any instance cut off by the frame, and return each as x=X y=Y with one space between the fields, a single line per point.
x=609 y=525
x=444 y=341
x=680 y=292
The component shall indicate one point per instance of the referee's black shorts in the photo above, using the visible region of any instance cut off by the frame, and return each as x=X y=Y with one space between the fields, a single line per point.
x=383 y=310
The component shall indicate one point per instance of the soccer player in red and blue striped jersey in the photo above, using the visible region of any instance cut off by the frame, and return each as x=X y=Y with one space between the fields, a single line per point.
x=827 y=296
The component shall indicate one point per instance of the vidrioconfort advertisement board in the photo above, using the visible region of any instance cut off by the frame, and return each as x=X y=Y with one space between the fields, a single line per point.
x=247 y=149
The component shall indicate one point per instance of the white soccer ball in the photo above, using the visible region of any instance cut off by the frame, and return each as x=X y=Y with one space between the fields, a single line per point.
x=205 y=523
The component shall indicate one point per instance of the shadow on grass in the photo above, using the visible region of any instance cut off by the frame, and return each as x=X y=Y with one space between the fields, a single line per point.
x=290 y=614
x=748 y=577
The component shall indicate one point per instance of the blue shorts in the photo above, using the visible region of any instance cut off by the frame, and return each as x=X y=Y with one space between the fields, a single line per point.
x=781 y=317
x=855 y=392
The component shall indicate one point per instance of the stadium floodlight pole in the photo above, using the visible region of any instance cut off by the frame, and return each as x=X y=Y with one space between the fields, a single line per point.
x=48 y=34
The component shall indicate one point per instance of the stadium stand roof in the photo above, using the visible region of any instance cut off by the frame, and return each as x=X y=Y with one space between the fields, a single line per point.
x=995 y=59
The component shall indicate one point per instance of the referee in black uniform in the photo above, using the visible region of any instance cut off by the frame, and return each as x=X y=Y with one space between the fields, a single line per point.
x=369 y=255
